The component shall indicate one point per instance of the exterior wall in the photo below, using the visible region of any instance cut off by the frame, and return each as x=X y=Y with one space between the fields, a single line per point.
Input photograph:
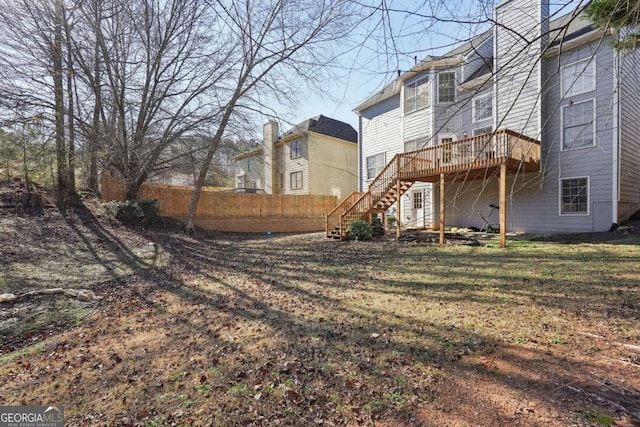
x=518 y=64
x=333 y=166
x=533 y=200
x=295 y=165
x=629 y=114
x=252 y=177
x=381 y=133
x=269 y=137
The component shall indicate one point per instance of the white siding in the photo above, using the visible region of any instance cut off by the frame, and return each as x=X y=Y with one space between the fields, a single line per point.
x=381 y=132
x=630 y=129
x=518 y=64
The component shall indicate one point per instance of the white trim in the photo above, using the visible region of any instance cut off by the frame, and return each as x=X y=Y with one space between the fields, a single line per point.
x=455 y=98
x=616 y=136
x=591 y=61
x=473 y=107
x=588 y=213
x=595 y=129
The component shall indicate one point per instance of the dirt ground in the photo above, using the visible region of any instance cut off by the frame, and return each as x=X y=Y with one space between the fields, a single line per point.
x=300 y=330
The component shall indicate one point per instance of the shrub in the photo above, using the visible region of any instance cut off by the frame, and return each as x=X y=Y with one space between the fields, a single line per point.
x=391 y=221
x=376 y=226
x=133 y=212
x=360 y=230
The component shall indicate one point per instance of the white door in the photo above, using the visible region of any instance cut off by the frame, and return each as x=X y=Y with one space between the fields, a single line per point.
x=417 y=208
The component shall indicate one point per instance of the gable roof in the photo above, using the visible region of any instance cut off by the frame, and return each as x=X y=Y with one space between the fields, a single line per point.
x=326 y=126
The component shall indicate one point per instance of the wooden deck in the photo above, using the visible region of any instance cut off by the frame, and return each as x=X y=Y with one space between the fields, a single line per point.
x=497 y=154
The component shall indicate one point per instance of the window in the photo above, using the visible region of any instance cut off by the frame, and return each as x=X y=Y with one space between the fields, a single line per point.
x=578 y=125
x=417 y=200
x=295 y=149
x=482 y=107
x=249 y=164
x=281 y=181
x=375 y=164
x=416 y=143
x=295 y=180
x=574 y=196
x=579 y=77
x=417 y=95
x=482 y=130
x=446 y=87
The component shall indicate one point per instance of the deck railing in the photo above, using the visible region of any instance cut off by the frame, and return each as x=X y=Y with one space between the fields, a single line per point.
x=470 y=153
x=474 y=153
x=333 y=217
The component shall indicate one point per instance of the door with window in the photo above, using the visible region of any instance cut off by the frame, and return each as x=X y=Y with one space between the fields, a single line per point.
x=417 y=209
x=447 y=153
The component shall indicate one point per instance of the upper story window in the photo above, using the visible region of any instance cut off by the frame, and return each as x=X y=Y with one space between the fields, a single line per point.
x=249 y=164
x=295 y=149
x=417 y=95
x=415 y=143
x=446 y=87
x=482 y=107
x=578 y=125
x=375 y=164
x=579 y=77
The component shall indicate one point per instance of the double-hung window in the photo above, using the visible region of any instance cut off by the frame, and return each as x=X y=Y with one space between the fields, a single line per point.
x=482 y=107
x=295 y=149
x=574 y=196
x=417 y=95
x=415 y=143
x=578 y=125
x=375 y=164
x=295 y=180
x=579 y=77
x=446 y=87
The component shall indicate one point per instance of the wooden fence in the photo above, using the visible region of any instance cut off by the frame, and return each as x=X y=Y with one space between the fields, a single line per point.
x=227 y=211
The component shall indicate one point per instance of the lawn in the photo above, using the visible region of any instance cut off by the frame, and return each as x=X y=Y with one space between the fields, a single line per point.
x=301 y=330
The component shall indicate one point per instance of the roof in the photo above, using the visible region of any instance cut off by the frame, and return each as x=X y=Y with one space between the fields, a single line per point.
x=326 y=126
x=562 y=29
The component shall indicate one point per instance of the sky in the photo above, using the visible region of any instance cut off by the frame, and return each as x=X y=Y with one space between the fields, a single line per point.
x=375 y=52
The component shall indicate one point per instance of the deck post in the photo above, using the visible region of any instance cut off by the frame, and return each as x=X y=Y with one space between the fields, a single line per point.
x=399 y=201
x=503 y=205
x=442 y=209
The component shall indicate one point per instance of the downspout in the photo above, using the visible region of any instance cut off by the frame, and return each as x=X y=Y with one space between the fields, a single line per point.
x=360 y=175
x=616 y=138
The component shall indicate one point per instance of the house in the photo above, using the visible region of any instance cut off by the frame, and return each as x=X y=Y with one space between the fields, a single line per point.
x=318 y=156
x=531 y=126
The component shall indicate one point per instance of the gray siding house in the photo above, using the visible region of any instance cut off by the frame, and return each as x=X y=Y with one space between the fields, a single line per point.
x=568 y=99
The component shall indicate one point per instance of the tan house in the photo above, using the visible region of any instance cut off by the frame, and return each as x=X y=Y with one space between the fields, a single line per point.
x=318 y=156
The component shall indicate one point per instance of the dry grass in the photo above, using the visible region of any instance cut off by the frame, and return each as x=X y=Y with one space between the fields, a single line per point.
x=298 y=330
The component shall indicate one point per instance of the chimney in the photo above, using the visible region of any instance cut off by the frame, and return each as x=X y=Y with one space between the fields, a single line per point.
x=520 y=36
x=269 y=137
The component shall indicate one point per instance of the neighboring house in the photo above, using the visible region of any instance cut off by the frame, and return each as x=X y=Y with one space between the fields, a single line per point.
x=318 y=156
x=548 y=105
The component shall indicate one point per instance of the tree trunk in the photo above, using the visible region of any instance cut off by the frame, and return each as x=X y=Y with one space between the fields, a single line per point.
x=56 y=59
x=71 y=184
x=195 y=196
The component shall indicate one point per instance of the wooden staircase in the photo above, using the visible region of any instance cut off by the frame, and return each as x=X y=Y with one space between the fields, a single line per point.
x=477 y=157
x=383 y=192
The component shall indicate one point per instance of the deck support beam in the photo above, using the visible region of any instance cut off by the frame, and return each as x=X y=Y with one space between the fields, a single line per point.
x=399 y=201
x=442 y=219
x=503 y=205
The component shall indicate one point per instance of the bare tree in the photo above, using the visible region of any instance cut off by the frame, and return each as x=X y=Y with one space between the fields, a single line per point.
x=158 y=65
x=270 y=43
